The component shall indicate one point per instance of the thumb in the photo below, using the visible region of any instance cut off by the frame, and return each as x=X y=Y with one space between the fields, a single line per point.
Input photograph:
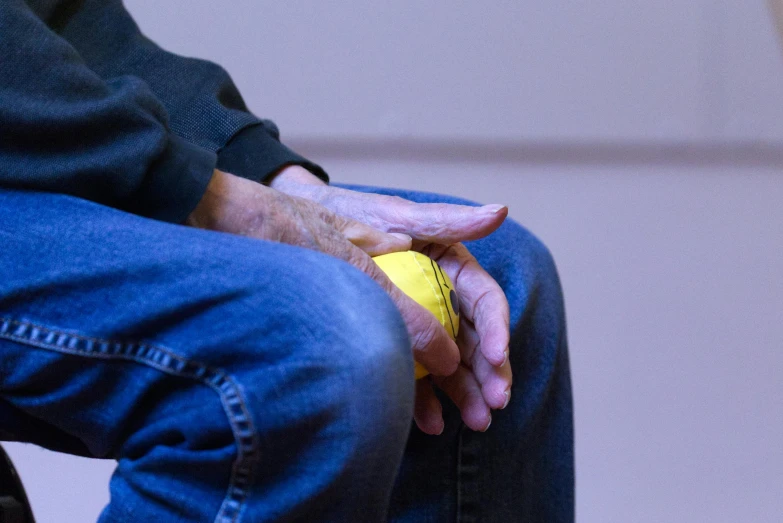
x=442 y=223
x=371 y=240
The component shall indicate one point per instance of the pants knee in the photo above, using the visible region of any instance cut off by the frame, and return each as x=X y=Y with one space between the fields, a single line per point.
x=381 y=377
x=338 y=361
x=371 y=364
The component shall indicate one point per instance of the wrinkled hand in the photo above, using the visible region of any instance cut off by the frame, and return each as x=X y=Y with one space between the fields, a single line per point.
x=239 y=206
x=483 y=379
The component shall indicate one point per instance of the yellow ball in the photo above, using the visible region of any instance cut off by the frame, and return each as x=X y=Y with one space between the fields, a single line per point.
x=424 y=281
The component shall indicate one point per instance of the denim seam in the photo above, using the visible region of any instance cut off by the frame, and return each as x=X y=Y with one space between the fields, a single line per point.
x=467 y=504
x=459 y=473
x=166 y=361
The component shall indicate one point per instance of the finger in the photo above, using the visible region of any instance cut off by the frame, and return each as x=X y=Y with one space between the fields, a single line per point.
x=370 y=240
x=468 y=340
x=431 y=344
x=495 y=381
x=481 y=300
x=465 y=392
x=427 y=411
x=317 y=226
x=469 y=343
x=443 y=223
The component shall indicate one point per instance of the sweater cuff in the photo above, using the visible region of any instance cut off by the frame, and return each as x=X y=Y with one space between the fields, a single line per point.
x=255 y=154
x=176 y=182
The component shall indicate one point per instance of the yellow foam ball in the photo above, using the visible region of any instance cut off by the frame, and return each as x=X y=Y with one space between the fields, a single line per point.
x=424 y=281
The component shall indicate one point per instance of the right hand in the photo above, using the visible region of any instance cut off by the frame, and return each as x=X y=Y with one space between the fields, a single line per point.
x=235 y=205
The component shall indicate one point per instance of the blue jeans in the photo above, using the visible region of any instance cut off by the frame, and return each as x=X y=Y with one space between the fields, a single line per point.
x=242 y=380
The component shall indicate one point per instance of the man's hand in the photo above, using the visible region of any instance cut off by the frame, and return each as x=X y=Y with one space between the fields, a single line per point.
x=483 y=380
x=239 y=206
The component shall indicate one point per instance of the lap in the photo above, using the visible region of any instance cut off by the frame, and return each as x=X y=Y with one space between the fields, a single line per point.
x=128 y=338
x=123 y=274
x=77 y=268
x=81 y=274
x=86 y=282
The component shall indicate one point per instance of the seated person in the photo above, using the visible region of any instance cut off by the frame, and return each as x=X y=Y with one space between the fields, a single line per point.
x=186 y=295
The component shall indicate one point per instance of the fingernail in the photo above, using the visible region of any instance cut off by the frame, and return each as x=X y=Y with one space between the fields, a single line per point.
x=507 y=392
x=401 y=236
x=505 y=358
x=493 y=208
x=488 y=424
x=441 y=429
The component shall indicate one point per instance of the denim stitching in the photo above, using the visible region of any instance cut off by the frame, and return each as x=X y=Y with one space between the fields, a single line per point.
x=459 y=473
x=467 y=469
x=166 y=361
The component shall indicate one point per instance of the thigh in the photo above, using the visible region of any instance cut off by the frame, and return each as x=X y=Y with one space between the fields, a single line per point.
x=521 y=469
x=222 y=364
x=80 y=269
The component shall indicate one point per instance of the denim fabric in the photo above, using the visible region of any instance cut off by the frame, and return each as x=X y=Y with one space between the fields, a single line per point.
x=242 y=380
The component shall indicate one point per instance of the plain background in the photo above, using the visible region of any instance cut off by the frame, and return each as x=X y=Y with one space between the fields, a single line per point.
x=642 y=141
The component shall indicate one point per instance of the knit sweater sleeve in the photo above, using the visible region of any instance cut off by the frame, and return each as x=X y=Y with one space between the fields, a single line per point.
x=203 y=103
x=64 y=128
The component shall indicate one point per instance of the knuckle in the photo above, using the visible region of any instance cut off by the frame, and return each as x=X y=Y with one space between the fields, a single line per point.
x=361 y=261
x=424 y=338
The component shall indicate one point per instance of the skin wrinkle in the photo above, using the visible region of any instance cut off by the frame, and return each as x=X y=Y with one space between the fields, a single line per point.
x=470 y=339
x=479 y=300
x=501 y=395
x=458 y=281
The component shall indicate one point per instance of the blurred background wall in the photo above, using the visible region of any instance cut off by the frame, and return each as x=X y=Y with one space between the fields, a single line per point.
x=642 y=141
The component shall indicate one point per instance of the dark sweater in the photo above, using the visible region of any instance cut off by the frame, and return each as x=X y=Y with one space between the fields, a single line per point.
x=92 y=108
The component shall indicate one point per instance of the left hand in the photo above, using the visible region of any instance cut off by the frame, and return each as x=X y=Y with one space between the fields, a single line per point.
x=483 y=380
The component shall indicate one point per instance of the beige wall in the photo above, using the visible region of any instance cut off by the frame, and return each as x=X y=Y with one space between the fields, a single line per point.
x=640 y=140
